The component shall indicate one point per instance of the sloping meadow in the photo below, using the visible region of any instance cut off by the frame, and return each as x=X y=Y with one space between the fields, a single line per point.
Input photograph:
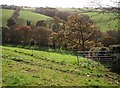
x=25 y=67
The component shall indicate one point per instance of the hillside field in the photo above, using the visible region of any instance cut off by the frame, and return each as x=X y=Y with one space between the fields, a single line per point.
x=24 y=16
x=102 y=19
x=28 y=67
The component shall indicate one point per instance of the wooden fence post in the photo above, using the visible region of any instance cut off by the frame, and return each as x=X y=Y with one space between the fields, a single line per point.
x=78 y=61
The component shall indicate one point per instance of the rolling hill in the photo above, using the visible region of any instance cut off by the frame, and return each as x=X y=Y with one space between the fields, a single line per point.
x=24 y=16
x=28 y=67
x=101 y=19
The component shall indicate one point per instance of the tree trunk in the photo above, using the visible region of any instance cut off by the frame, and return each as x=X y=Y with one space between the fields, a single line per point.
x=83 y=42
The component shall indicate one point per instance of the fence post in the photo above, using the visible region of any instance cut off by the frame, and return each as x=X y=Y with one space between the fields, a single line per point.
x=78 y=61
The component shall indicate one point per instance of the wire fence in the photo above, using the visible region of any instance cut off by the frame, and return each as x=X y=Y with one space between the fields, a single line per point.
x=107 y=58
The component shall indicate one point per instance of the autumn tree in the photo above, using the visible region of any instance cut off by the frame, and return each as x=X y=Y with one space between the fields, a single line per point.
x=80 y=29
x=53 y=39
x=25 y=34
x=21 y=34
x=107 y=40
x=41 y=35
x=58 y=40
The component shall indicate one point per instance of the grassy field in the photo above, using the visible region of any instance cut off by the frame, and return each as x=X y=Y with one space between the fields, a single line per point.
x=101 y=19
x=24 y=16
x=27 y=67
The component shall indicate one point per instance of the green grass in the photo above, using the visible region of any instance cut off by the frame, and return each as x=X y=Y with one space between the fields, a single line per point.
x=102 y=20
x=25 y=67
x=24 y=16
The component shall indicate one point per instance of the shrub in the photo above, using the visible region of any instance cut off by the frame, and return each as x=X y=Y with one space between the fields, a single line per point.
x=41 y=35
x=11 y=22
x=6 y=34
x=25 y=34
x=41 y=23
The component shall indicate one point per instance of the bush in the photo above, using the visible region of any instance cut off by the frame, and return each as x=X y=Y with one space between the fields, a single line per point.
x=41 y=23
x=41 y=35
x=11 y=22
x=25 y=32
x=6 y=34
x=21 y=34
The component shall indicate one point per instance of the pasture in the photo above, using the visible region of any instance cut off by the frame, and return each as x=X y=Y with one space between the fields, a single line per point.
x=24 y=16
x=102 y=20
x=44 y=66
x=29 y=67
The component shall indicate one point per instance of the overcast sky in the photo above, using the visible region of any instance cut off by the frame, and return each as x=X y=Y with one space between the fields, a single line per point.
x=57 y=3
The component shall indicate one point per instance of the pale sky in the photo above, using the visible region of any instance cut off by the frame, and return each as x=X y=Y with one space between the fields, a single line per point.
x=57 y=3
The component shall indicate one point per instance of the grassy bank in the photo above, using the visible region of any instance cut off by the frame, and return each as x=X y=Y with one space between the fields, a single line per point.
x=22 y=67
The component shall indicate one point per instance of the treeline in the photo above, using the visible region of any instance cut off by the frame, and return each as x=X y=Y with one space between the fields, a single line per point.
x=79 y=32
x=112 y=9
x=12 y=7
x=48 y=11
x=52 y=12
x=26 y=35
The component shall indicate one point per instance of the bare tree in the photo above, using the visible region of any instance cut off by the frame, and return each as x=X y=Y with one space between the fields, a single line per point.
x=105 y=8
